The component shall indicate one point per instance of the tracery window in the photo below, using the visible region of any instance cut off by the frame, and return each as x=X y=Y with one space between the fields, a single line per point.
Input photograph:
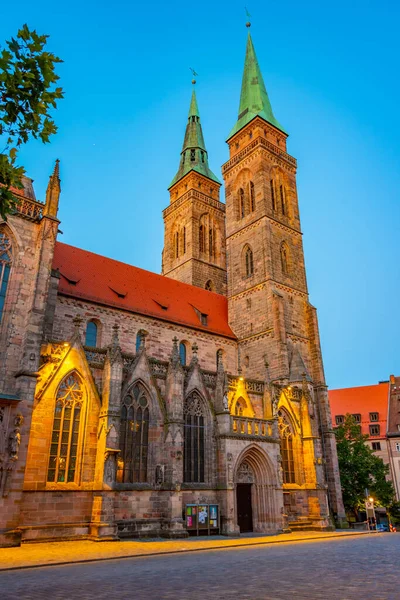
x=134 y=437
x=91 y=334
x=194 y=439
x=286 y=437
x=5 y=268
x=182 y=353
x=252 y=196
x=249 y=265
x=65 y=434
x=240 y=407
x=241 y=203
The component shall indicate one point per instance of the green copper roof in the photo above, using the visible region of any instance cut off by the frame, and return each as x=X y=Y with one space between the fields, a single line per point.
x=254 y=99
x=194 y=155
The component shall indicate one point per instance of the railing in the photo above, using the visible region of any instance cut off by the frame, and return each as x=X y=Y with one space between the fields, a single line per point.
x=95 y=356
x=246 y=426
x=158 y=368
x=30 y=209
x=259 y=141
x=251 y=385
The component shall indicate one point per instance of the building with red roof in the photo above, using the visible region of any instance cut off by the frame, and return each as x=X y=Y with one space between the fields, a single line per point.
x=128 y=399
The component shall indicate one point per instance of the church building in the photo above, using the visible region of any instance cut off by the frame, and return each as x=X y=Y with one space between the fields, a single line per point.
x=137 y=404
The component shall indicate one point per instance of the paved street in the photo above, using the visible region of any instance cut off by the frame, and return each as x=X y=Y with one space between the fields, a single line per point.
x=365 y=567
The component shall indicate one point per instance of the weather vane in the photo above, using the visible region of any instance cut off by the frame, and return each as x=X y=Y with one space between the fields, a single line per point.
x=248 y=15
x=194 y=75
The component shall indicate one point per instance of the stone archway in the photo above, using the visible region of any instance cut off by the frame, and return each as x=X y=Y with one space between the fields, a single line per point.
x=256 y=477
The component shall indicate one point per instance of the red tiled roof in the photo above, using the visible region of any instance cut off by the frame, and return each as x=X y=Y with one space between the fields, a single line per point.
x=361 y=400
x=112 y=283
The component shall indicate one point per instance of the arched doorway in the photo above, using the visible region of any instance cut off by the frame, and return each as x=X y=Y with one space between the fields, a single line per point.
x=258 y=495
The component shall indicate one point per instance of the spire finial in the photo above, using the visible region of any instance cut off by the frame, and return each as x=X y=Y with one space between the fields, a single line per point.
x=53 y=191
x=248 y=15
x=194 y=75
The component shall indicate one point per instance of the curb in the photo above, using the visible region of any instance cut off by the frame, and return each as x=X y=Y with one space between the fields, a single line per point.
x=166 y=552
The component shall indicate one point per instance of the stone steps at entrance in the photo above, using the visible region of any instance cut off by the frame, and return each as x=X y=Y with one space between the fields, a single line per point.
x=303 y=525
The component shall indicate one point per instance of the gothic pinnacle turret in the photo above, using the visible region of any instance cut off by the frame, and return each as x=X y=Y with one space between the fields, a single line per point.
x=254 y=99
x=53 y=192
x=194 y=155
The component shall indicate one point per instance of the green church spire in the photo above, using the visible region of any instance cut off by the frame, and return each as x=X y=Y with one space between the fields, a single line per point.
x=254 y=99
x=194 y=155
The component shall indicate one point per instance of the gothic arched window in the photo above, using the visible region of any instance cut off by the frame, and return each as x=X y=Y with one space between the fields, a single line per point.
x=242 y=211
x=209 y=286
x=286 y=437
x=140 y=337
x=285 y=258
x=91 y=334
x=201 y=238
x=194 y=439
x=134 y=437
x=252 y=197
x=273 y=201
x=5 y=268
x=65 y=434
x=182 y=353
x=249 y=265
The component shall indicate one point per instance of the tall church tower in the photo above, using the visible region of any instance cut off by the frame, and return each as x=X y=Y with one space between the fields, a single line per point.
x=269 y=309
x=194 y=222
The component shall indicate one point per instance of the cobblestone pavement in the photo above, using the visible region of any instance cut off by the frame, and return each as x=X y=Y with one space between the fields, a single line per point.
x=365 y=567
x=80 y=550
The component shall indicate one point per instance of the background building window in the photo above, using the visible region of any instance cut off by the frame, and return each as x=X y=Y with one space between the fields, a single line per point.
x=374 y=416
x=357 y=418
x=182 y=353
x=374 y=430
x=194 y=439
x=376 y=446
x=134 y=438
x=339 y=419
x=397 y=445
x=91 y=334
x=65 y=433
x=5 y=268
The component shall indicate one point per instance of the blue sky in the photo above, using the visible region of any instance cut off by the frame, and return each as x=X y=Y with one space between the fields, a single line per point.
x=332 y=75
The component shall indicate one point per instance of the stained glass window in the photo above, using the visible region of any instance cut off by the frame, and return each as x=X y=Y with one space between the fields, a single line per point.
x=194 y=439
x=286 y=437
x=5 y=268
x=65 y=434
x=134 y=440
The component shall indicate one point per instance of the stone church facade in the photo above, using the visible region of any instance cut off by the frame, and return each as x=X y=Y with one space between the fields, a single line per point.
x=127 y=395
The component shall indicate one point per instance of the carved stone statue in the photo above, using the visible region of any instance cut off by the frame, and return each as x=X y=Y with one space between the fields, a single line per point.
x=14 y=441
x=160 y=474
x=225 y=402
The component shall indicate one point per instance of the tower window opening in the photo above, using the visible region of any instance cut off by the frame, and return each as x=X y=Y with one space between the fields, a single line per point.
x=283 y=203
x=202 y=156
x=211 y=242
x=201 y=238
x=177 y=245
x=241 y=203
x=252 y=197
x=192 y=155
x=285 y=259
x=273 y=194
x=249 y=262
x=209 y=286
x=5 y=268
x=184 y=240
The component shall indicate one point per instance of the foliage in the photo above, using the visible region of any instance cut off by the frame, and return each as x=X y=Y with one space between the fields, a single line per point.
x=27 y=93
x=360 y=468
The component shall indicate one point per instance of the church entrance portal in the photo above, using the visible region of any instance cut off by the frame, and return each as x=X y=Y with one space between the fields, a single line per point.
x=244 y=509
